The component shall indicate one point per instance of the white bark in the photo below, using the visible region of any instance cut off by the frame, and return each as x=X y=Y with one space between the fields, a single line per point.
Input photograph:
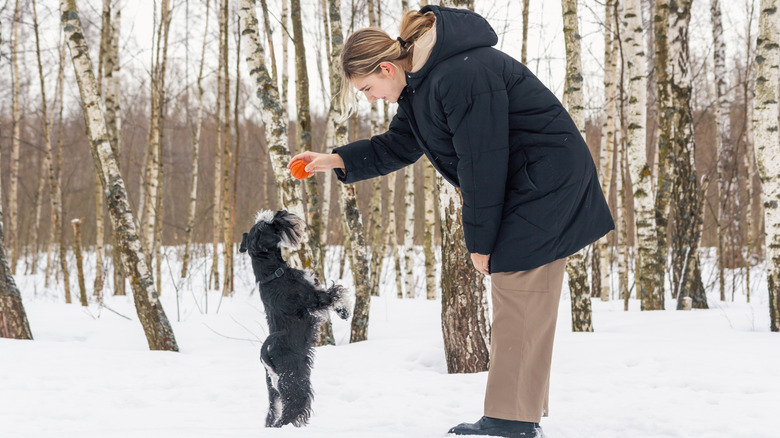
x=576 y=265
x=151 y=314
x=45 y=162
x=648 y=290
x=606 y=151
x=429 y=185
x=12 y=238
x=409 y=231
x=724 y=130
x=767 y=145
x=195 y=138
x=348 y=201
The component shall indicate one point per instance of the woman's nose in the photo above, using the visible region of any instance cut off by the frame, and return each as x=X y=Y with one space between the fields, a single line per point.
x=369 y=96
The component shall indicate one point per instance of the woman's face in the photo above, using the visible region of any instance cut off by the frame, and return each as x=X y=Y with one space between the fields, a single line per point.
x=386 y=84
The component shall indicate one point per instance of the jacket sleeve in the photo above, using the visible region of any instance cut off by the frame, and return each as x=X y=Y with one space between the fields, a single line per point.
x=380 y=155
x=478 y=119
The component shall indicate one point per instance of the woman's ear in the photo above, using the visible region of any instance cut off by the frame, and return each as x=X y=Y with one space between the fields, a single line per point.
x=388 y=69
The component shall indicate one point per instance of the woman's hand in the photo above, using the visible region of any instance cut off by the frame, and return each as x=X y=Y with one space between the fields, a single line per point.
x=480 y=262
x=317 y=162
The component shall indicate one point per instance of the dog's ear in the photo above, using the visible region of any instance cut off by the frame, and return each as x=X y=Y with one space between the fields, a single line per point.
x=289 y=226
x=242 y=247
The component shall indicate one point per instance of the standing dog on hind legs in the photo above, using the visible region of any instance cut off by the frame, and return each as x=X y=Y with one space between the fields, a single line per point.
x=295 y=305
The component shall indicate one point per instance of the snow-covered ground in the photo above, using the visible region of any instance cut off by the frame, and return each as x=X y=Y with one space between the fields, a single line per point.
x=88 y=373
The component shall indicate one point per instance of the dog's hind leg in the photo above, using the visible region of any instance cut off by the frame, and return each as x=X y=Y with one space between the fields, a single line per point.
x=276 y=405
x=295 y=388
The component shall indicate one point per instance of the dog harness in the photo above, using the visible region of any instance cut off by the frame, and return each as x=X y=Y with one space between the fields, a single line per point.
x=276 y=274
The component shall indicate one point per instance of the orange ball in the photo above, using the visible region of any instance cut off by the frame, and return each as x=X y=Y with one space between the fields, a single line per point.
x=298 y=169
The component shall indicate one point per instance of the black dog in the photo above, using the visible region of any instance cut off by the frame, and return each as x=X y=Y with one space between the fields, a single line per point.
x=295 y=306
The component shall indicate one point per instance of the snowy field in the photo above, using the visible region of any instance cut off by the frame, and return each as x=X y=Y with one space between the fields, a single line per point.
x=699 y=374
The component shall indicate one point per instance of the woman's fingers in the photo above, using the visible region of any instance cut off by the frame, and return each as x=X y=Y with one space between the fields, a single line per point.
x=304 y=156
x=480 y=262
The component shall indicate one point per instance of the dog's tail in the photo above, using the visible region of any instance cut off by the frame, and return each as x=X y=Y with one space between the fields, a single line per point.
x=342 y=300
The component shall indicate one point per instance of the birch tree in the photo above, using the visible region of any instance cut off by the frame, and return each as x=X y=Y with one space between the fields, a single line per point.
x=725 y=153
x=46 y=135
x=601 y=265
x=55 y=179
x=767 y=145
x=13 y=318
x=195 y=139
x=222 y=224
x=157 y=328
x=274 y=117
x=356 y=244
x=665 y=119
x=408 y=272
x=649 y=291
x=464 y=312
x=524 y=50
x=576 y=267
x=13 y=215
x=314 y=221
x=429 y=185
x=686 y=234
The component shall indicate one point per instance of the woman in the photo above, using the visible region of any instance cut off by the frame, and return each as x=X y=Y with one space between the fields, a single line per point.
x=530 y=191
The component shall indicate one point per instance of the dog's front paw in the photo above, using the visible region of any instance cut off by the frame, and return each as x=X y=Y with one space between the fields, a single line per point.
x=342 y=312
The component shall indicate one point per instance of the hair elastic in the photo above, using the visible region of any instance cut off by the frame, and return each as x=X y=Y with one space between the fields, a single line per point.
x=403 y=43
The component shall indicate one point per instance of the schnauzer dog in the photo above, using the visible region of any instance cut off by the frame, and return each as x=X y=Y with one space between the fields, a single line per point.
x=295 y=305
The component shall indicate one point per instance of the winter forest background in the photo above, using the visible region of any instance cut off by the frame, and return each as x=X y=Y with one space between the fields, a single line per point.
x=677 y=101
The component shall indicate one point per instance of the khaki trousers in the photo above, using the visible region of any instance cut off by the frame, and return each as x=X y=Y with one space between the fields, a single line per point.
x=525 y=310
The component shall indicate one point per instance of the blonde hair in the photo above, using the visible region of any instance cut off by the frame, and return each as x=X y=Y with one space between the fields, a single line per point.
x=366 y=48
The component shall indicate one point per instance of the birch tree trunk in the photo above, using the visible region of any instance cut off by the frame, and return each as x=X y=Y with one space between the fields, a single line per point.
x=79 y=260
x=13 y=318
x=649 y=291
x=285 y=54
x=45 y=162
x=224 y=219
x=621 y=224
x=524 y=50
x=767 y=146
x=55 y=181
x=576 y=267
x=275 y=119
x=234 y=189
x=114 y=126
x=347 y=197
x=464 y=311
x=314 y=222
x=665 y=120
x=218 y=164
x=408 y=271
x=195 y=138
x=13 y=231
x=429 y=185
x=601 y=280
x=158 y=330
x=270 y=41
x=724 y=146
x=686 y=233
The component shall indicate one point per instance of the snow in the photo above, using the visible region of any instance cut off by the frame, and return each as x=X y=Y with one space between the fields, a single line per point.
x=88 y=373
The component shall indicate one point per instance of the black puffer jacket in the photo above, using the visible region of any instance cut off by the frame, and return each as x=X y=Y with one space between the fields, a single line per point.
x=489 y=126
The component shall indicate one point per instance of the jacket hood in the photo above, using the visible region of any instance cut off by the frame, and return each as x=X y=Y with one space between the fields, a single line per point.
x=457 y=30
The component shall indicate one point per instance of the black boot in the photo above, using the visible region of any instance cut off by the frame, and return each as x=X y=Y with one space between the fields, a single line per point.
x=498 y=427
